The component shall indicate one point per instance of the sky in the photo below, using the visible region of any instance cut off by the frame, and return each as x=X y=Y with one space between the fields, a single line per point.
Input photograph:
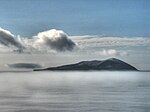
x=56 y=32
x=77 y=17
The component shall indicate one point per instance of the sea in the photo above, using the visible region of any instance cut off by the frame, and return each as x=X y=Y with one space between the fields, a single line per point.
x=91 y=91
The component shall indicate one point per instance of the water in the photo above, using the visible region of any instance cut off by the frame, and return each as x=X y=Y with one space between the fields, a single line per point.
x=74 y=92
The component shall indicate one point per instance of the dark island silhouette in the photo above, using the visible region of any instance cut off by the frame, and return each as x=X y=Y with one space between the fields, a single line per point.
x=111 y=64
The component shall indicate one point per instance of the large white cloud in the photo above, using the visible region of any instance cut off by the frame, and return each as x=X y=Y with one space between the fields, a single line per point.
x=8 y=39
x=55 y=39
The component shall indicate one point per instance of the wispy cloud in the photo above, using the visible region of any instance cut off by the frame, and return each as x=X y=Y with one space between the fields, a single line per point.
x=109 y=46
x=96 y=41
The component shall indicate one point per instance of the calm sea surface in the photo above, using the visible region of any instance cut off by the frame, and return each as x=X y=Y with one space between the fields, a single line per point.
x=75 y=92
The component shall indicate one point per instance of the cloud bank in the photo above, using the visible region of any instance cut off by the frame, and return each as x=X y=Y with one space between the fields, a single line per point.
x=7 y=39
x=55 y=39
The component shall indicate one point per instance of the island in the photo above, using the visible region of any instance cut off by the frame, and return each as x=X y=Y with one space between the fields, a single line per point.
x=111 y=64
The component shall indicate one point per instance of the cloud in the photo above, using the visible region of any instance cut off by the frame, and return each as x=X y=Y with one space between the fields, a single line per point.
x=111 y=52
x=7 y=39
x=55 y=39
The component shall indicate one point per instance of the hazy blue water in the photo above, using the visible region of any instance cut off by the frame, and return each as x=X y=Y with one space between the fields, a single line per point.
x=75 y=92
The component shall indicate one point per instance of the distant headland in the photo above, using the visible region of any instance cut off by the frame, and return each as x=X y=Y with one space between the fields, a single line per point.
x=111 y=64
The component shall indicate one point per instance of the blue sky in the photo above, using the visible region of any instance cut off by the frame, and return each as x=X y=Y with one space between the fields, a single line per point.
x=77 y=17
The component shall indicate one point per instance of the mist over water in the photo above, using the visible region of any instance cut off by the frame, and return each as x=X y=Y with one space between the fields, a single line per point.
x=74 y=92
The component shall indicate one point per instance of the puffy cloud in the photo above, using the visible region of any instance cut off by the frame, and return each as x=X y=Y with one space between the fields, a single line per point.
x=7 y=39
x=55 y=39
